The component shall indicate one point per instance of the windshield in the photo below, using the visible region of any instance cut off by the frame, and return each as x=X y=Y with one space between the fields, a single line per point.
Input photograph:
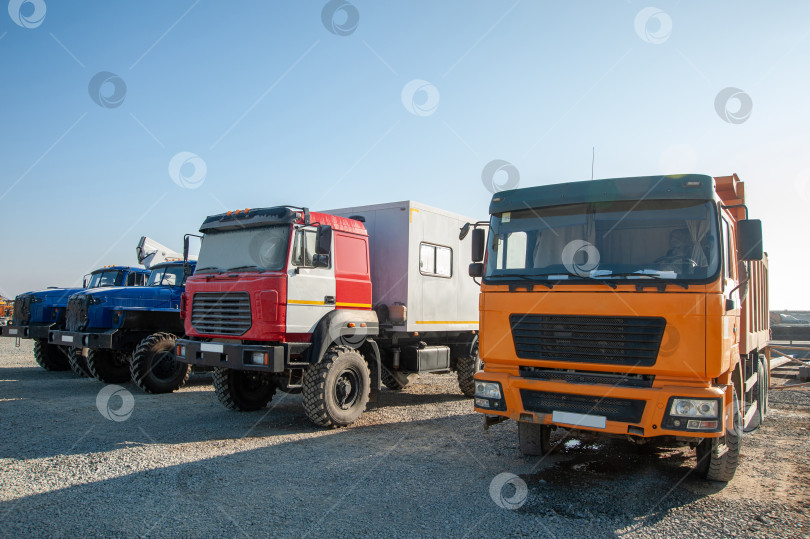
x=166 y=276
x=106 y=278
x=666 y=239
x=259 y=248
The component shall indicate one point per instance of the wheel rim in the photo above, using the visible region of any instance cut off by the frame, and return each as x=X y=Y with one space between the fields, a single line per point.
x=163 y=364
x=347 y=388
x=253 y=386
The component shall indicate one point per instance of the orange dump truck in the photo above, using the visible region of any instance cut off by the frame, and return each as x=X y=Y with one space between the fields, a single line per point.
x=633 y=307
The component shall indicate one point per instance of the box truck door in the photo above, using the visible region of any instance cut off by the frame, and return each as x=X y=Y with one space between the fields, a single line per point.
x=310 y=290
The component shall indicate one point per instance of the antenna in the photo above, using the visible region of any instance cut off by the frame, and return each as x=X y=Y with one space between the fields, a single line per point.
x=593 y=159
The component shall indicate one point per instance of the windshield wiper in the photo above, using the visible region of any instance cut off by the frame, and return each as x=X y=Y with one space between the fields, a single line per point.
x=654 y=276
x=587 y=278
x=543 y=282
x=241 y=268
x=213 y=269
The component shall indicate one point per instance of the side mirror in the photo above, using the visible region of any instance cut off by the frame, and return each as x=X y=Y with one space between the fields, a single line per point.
x=479 y=237
x=476 y=269
x=185 y=247
x=323 y=241
x=749 y=239
x=320 y=261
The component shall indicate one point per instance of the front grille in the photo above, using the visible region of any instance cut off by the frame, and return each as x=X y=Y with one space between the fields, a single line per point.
x=76 y=313
x=588 y=377
x=611 y=340
x=625 y=410
x=22 y=311
x=221 y=313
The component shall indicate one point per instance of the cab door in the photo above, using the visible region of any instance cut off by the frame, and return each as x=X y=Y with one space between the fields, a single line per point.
x=310 y=290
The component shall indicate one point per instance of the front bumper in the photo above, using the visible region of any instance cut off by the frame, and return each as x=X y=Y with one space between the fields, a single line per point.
x=36 y=331
x=78 y=339
x=598 y=408
x=235 y=356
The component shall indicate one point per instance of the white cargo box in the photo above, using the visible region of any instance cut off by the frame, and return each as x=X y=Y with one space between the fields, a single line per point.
x=417 y=260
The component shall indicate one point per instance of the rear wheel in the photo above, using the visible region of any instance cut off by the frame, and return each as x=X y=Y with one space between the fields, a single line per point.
x=155 y=368
x=243 y=390
x=337 y=389
x=466 y=367
x=108 y=366
x=717 y=458
x=534 y=439
x=49 y=356
x=78 y=363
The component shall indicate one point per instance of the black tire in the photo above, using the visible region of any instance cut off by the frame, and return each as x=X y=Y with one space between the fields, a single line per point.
x=721 y=468
x=108 y=366
x=245 y=391
x=78 y=363
x=765 y=387
x=466 y=367
x=49 y=356
x=336 y=390
x=396 y=380
x=154 y=367
x=534 y=439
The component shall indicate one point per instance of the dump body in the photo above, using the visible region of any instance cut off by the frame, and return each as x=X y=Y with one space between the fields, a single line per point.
x=605 y=304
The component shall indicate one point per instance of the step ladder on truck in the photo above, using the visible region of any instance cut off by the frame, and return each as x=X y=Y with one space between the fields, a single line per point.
x=631 y=307
x=330 y=304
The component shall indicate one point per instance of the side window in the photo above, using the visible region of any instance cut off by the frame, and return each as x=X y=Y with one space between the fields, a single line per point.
x=435 y=260
x=131 y=279
x=303 y=247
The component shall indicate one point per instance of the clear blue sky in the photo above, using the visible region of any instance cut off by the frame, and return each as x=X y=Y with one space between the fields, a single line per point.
x=283 y=111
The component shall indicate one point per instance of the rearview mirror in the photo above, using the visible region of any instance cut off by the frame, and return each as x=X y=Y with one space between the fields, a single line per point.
x=464 y=231
x=749 y=239
x=323 y=242
x=476 y=269
x=479 y=236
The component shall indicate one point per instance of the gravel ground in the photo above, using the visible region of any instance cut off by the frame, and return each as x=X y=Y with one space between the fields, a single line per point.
x=420 y=464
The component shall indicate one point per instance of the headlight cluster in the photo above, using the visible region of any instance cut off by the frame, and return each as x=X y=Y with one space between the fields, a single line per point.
x=693 y=414
x=693 y=408
x=488 y=395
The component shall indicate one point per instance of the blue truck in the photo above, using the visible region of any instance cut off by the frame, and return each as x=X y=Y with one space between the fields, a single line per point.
x=129 y=332
x=40 y=312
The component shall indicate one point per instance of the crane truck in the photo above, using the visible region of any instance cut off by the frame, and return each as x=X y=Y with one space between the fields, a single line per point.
x=129 y=333
x=632 y=307
x=330 y=304
x=38 y=312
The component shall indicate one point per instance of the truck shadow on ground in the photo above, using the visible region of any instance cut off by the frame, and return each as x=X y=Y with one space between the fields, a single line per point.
x=361 y=481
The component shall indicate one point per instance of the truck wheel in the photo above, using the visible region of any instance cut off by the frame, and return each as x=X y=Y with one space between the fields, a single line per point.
x=78 y=363
x=722 y=467
x=108 y=366
x=243 y=390
x=534 y=439
x=765 y=387
x=155 y=368
x=49 y=356
x=466 y=367
x=336 y=390
x=397 y=380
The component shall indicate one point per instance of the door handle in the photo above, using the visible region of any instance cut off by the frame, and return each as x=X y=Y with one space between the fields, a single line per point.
x=329 y=300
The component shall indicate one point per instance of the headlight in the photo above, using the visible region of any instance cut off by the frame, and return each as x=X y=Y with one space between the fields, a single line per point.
x=701 y=408
x=489 y=390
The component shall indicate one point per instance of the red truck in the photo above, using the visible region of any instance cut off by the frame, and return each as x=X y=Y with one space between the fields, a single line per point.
x=330 y=304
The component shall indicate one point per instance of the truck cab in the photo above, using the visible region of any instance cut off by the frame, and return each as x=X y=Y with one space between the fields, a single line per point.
x=120 y=333
x=631 y=307
x=39 y=312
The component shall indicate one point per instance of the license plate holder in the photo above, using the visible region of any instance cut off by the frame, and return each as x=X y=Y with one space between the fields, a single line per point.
x=212 y=347
x=579 y=420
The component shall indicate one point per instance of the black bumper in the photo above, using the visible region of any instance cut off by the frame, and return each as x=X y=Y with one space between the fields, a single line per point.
x=276 y=358
x=25 y=332
x=78 y=339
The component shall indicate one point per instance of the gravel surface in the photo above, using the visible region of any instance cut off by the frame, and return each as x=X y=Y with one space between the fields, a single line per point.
x=420 y=464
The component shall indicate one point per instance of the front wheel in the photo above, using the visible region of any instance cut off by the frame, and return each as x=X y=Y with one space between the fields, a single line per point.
x=155 y=368
x=108 y=366
x=336 y=390
x=78 y=363
x=466 y=367
x=245 y=391
x=717 y=461
x=49 y=356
